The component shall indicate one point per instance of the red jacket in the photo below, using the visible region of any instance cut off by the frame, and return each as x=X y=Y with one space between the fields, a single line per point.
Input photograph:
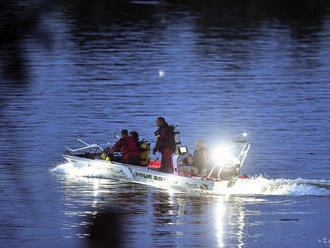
x=127 y=146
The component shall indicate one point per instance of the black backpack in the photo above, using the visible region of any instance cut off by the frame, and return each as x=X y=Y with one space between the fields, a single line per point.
x=173 y=139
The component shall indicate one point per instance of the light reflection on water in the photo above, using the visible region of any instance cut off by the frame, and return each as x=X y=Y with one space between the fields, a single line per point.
x=164 y=215
x=240 y=232
x=219 y=213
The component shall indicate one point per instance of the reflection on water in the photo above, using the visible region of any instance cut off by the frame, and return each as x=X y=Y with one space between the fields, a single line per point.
x=240 y=232
x=158 y=217
x=216 y=68
x=219 y=217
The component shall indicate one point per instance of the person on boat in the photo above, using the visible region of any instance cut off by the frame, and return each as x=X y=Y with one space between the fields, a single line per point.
x=201 y=157
x=135 y=135
x=163 y=145
x=196 y=164
x=186 y=167
x=128 y=147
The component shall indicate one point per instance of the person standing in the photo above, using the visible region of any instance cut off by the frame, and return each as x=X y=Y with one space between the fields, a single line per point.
x=163 y=145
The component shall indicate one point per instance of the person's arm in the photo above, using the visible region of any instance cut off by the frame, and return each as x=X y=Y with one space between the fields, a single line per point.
x=156 y=148
x=161 y=140
x=116 y=147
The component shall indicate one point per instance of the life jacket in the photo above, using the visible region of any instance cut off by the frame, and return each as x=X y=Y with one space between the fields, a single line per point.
x=129 y=148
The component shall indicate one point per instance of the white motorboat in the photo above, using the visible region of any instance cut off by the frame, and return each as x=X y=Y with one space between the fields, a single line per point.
x=223 y=173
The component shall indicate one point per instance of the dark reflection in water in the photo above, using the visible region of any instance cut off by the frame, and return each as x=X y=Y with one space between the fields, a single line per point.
x=105 y=229
x=215 y=67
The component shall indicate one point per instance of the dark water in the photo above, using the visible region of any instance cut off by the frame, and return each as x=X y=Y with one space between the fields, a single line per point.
x=216 y=71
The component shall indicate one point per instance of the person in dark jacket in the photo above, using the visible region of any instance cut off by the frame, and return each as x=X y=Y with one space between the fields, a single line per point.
x=128 y=147
x=198 y=163
x=163 y=145
x=201 y=157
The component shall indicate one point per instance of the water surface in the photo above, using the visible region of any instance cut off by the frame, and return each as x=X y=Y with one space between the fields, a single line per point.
x=216 y=71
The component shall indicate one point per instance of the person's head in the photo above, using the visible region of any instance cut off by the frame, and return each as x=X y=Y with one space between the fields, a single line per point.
x=124 y=133
x=160 y=121
x=135 y=135
x=199 y=143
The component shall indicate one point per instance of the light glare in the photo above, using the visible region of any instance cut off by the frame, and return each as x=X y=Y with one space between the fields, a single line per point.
x=222 y=154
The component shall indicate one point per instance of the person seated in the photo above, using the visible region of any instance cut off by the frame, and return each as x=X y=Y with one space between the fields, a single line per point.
x=201 y=158
x=128 y=148
x=196 y=164
x=144 y=149
x=135 y=135
x=186 y=167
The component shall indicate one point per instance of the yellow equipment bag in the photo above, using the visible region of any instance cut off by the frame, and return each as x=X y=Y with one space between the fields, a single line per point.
x=144 y=152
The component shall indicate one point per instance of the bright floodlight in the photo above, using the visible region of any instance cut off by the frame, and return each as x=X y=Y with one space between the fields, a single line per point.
x=222 y=154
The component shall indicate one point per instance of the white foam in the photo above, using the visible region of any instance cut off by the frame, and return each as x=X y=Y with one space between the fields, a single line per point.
x=281 y=186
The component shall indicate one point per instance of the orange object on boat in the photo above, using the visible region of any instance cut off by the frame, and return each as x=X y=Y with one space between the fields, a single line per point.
x=154 y=164
x=244 y=177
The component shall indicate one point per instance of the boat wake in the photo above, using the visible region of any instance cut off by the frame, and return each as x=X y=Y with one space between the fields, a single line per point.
x=263 y=186
x=257 y=185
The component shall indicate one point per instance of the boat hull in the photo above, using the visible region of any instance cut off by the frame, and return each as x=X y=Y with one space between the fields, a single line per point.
x=143 y=175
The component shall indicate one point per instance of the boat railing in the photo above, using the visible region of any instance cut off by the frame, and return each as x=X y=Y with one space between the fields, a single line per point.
x=245 y=147
x=86 y=147
x=243 y=153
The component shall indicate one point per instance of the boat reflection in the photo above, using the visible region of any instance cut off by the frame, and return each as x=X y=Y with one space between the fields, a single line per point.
x=156 y=217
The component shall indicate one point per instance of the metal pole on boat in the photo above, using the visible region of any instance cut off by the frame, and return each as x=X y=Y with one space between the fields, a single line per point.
x=210 y=173
x=245 y=152
x=81 y=141
x=87 y=146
